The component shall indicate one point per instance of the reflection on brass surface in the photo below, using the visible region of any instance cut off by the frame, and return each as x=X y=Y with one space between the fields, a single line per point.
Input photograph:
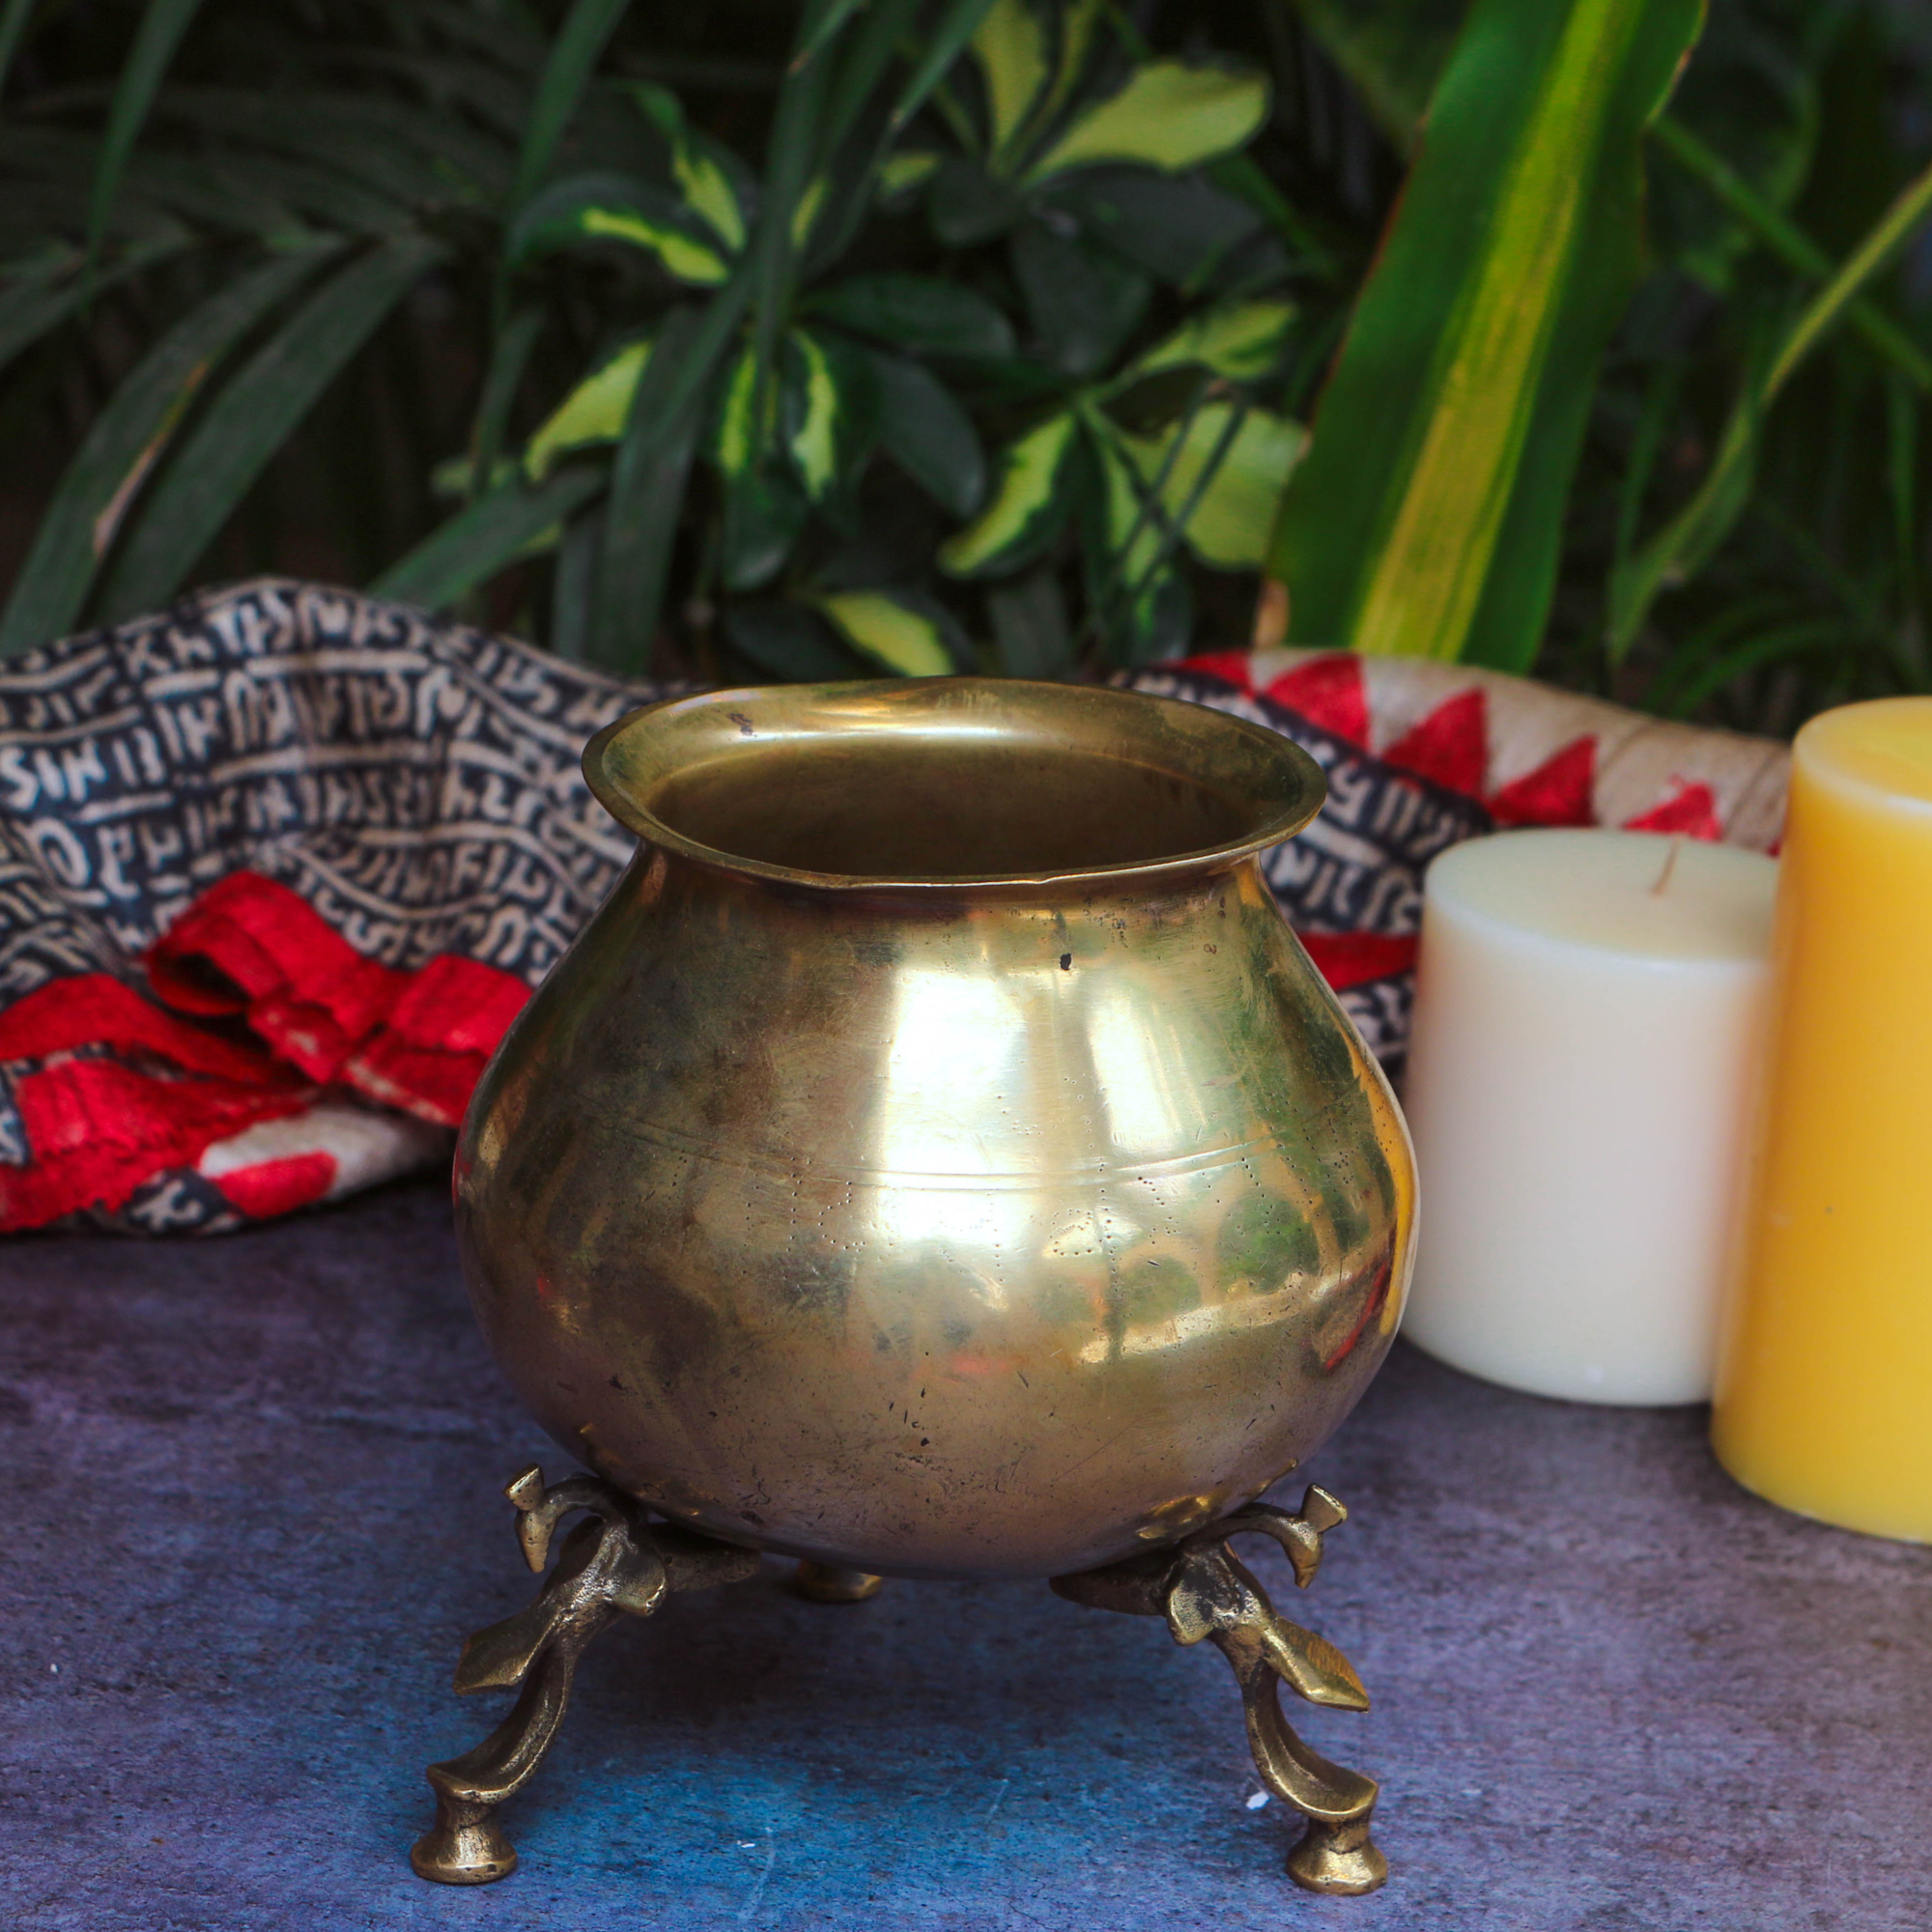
x=610 y=1564
x=1205 y=1591
x=938 y=1157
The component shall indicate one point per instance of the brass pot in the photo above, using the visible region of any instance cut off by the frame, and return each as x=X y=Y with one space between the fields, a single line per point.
x=938 y=1156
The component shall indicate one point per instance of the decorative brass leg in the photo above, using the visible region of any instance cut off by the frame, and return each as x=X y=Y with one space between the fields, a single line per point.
x=1202 y=1590
x=612 y=1564
x=831 y=1584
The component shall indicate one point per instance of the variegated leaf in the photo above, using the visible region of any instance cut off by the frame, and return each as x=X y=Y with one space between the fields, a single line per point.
x=618 y=208
x=1168 y=116
x=1238 y=340
x=1025 y=509
x=901 y=173
x=737 y=436
x=594 y=411
x=1427 y=518
x=892 y=632
x=1233 y=507
x=1011 y=49
x=701 y=178
x=811 y=412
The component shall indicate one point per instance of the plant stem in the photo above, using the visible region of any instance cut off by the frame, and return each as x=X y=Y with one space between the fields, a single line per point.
x=1866 y=260
x=1789 y=242
x=1688 y=541
x=1177 y=528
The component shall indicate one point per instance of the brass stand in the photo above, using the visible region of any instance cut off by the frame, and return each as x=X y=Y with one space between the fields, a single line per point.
x=610 y=1564
x=616 y=1562
x=829 y=1583
x=1204 y=1590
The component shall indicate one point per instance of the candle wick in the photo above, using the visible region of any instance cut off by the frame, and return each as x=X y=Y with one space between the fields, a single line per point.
x=1670 y=865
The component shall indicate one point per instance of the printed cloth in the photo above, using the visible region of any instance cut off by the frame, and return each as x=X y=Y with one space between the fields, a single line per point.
x=279 y=867
x=1420 y=754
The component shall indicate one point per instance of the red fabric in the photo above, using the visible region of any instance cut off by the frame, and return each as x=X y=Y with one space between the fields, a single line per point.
x=1450 y=745
x=412 y=1041
x=1559 y=791
x=249 y=946
x=440 y=1033
x=258 y=1005
x=1233 y=668
x=97 y=1009
x=1328 y=691
x=1691 y=812
x=1347 y=959
x=271 y=1187
x=247 y=952
x=98 y=1129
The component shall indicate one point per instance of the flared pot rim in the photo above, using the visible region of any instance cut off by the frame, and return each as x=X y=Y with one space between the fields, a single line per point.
x=1268 y=786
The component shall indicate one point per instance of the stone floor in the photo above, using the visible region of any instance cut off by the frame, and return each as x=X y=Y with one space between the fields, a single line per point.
x=254 y=1508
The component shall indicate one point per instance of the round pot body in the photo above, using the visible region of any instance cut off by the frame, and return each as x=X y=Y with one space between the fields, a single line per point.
x=938 y=1156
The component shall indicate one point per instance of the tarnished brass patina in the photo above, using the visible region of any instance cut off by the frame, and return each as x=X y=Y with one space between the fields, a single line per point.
x=938 y=1157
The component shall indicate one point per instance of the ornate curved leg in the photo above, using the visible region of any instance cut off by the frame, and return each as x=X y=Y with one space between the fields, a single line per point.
x=612 y=1564
x=832 y=1583
x=1205 y=1591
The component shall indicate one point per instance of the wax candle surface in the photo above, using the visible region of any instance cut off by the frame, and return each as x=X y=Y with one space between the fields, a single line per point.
x=1587 y=1012
x=1824 y=1383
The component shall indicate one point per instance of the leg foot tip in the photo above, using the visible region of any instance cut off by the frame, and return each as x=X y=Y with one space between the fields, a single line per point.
x=828 y=1583
x=469 y=1854
x=1339 y=1860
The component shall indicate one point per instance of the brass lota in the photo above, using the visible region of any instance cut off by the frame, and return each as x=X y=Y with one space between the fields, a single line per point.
x=938 y=1157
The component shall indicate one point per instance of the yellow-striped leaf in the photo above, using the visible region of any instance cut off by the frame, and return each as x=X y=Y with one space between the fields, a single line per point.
x=735 y=440
x=805 y=216
x=707 y=188
x=1427 y=517
x=899 y=174
x=812 y=433
x=618 y=208
x=1133 y=528
x=688 y=260
x=1011 y=48
x=702 y=179
x=1233 y=515
x=889 y=632
x=594 y=411
x=1240 y=340
x=1169 y=116
x=1025 y=505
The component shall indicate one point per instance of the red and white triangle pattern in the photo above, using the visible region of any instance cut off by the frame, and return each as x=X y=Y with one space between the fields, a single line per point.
x=1534 y=755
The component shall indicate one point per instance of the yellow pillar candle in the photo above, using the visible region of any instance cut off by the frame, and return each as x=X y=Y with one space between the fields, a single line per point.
x=1824 y=1391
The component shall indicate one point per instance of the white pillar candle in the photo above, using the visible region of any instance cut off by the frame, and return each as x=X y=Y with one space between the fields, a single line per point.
x=1587 y=1014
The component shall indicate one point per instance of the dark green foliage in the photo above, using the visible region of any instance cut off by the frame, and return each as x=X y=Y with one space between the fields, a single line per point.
x=672 y=347
x=126 y=440
x=919 y=313
x=1799 y=588
x=925 y=431
x=785 y=342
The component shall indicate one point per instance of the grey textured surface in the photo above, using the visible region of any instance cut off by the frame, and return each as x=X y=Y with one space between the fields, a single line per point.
x=253 y=1505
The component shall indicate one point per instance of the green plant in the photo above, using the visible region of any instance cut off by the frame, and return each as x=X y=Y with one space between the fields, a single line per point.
x=798 y=375
x=756 y=392
x=1731 y=521
x=742 y=339
x=1428 y=517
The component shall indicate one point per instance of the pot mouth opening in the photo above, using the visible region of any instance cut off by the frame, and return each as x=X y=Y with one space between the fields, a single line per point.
x=949 y=782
